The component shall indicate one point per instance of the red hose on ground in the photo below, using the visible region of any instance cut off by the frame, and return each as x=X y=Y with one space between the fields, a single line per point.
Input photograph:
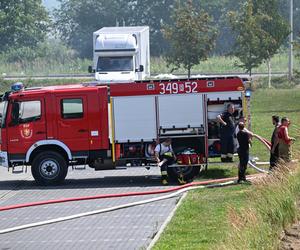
x=105 y=196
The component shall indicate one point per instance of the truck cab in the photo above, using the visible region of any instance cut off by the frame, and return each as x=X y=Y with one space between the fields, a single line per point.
x=52 y=128
x=121 y=54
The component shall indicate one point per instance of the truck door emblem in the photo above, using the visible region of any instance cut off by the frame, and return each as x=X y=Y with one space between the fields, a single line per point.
x=210 y=84
x=26 y=131
x=95 y=133
x=150 y=86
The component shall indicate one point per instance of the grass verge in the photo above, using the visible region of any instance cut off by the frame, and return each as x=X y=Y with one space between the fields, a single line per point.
x=271 y=207
x=68 y=64
x=242 y=217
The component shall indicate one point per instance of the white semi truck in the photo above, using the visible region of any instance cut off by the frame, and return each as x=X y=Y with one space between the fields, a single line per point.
x=121 y=54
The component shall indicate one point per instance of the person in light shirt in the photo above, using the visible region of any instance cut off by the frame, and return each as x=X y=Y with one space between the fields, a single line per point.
x=164 y=156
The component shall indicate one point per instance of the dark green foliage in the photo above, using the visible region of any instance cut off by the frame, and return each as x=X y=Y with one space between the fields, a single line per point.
x=260 y=30
x=22 y=24
x=50 y=50
x=297 y=55
x=191 y=36
x=76 y=20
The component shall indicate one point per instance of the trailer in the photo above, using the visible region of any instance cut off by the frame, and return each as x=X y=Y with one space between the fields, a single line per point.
x=109 y=125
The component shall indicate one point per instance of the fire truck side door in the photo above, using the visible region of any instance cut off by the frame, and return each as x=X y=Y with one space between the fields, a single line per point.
x=72 y=122
x=26 y=125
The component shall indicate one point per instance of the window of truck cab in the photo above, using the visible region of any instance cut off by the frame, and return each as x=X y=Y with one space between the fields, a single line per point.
x=29 y=111
x=3 y=109
x=115 y=64
x=71 y=108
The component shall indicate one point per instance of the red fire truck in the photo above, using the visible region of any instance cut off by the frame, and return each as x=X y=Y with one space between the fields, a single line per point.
x=104 y=126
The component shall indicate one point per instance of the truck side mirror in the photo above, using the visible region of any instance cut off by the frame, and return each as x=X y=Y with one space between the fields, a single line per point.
x=15 y=114
x=90 y=69
x=140 y=69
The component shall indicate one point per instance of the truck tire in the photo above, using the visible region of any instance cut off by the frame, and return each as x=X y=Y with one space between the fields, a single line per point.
x=189 y=173
x=49 y=168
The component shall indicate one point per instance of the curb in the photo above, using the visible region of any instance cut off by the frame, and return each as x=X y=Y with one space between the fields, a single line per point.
x=166 y=222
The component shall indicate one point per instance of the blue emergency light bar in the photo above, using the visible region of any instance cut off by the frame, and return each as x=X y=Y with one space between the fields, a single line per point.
x=248 y=93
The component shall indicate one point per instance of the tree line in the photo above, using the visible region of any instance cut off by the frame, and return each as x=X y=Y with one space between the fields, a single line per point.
x=252 y=30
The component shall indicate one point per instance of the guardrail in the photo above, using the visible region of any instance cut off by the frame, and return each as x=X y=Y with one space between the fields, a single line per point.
x=91 y=76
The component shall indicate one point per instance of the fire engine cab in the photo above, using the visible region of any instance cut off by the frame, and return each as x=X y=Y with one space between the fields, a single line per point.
x=105 y=126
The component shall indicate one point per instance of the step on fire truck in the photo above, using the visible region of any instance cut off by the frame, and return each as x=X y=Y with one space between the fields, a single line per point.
x=106 y=126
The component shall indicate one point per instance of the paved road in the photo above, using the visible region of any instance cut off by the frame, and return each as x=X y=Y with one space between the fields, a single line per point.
x=130 y=228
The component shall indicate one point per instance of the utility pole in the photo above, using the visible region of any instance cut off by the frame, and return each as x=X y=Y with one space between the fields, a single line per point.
x=291 y=58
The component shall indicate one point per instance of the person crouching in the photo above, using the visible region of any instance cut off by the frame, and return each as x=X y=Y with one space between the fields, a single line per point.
x=164 y=156
x=243 y=138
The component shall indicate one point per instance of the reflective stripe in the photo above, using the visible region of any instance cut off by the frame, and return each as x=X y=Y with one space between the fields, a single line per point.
x=164 y=173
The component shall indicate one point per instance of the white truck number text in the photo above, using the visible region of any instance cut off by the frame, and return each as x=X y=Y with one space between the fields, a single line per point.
x=175 y=88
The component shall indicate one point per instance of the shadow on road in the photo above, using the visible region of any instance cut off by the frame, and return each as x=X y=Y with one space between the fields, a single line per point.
x=108 y=181
x=87 y=183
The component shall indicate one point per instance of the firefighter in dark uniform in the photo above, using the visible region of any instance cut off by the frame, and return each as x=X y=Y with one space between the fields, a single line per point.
x=227 y=130
x=243 y=138
x=274 y=156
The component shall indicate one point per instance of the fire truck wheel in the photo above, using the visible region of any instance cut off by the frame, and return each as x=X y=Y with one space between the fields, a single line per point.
x=49 y=168
x=188 y=173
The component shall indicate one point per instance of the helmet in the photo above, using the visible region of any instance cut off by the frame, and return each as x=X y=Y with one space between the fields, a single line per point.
x=17 y=86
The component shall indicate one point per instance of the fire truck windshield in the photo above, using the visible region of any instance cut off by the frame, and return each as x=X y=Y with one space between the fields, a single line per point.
x=114 y=64
x=3 y=107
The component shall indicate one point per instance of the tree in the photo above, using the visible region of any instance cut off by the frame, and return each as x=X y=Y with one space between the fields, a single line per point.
x=22 y=24
x=260 y=30
x=155 y=14
x=248 y=37
x=275 y=29
x=191 y=37
x=76 y=20
x=297 y=54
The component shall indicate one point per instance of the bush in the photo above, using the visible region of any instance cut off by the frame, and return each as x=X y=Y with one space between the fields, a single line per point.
x=51 y=50
x=51 y=57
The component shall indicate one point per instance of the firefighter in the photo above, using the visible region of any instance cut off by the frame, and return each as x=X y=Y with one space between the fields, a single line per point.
x=243 y=138
x=241 y=119
x=274 y=153
x=227 y=133
x=285 y=141
x=164 y=155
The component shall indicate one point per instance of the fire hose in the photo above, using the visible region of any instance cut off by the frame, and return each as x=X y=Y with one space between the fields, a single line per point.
x=177 y=190
x=181 y=190
x=106 y=196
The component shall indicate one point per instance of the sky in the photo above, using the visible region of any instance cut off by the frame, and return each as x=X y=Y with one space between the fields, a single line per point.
x=50 y=4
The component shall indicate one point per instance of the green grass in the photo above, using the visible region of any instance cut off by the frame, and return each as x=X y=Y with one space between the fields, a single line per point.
x=242 y=217
x=266 y=103
x=224 y=64
x=215 y=64
x=45 y=67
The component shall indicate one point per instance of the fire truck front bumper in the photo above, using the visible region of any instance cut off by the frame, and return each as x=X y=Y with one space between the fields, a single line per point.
x=3 y=159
